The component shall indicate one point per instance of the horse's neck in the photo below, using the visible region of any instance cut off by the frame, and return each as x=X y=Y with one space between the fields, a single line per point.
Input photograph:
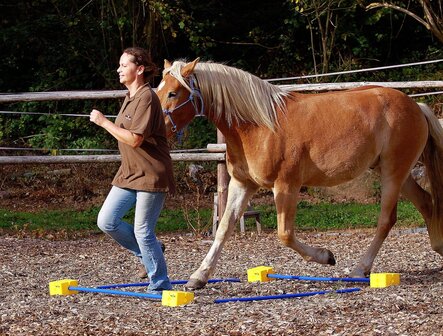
x=221 y=123
x=232 y=133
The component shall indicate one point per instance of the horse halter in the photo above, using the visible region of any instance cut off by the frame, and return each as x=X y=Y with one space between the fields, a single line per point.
x=195 y=92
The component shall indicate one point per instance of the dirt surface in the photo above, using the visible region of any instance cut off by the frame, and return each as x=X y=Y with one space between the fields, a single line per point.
x=27 y=265
x=415 y=307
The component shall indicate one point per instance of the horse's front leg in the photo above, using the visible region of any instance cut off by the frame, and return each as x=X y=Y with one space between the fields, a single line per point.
x=238 y=196
x=286 y=197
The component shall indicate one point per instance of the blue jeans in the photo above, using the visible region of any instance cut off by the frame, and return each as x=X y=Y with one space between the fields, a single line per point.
x=139 y=238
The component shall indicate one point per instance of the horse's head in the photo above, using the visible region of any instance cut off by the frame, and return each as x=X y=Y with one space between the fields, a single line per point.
x=178 y=93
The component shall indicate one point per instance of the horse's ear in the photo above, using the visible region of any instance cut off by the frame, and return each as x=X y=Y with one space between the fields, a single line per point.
x=167 y=64
x=188 y=69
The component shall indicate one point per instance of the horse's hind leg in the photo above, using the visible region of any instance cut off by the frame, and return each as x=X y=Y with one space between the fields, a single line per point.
x=422 y=200
x=286 y=205
x=419 y=197
x=388 y=216
x=238 y=196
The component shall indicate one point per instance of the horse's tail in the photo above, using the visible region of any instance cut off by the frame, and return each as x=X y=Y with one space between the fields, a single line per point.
x=432 y=157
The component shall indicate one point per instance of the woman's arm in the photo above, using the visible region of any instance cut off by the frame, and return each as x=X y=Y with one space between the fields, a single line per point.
x=121 y=134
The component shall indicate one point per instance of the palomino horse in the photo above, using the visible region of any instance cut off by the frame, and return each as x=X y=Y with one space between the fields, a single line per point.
x=283 y=140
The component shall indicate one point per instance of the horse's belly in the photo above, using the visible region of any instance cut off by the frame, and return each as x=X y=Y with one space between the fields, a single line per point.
x=328 y=179
x=335 y=171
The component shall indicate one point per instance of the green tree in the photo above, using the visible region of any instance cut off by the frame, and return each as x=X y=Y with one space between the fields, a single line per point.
x=323 y=18
x=431 y=16
x=53 y=45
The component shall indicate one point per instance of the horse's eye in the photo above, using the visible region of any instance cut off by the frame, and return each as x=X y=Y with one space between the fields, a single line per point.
x=172 y=94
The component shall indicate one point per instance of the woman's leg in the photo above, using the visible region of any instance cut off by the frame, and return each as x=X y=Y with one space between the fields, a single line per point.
x=118 y=202
x=147 y=210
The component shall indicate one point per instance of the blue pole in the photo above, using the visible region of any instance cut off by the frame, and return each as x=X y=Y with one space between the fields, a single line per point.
x=285 y=296
x=116 y=292
x=174 y=282
x=308 y=278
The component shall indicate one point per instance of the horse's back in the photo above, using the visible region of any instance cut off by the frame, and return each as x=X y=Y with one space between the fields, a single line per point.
x=330 y=138
x=368 y=109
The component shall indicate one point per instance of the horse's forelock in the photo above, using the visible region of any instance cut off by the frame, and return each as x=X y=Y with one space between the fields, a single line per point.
x=175 y=71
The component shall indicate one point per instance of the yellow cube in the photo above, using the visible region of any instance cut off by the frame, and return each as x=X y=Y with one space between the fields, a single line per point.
x=61 y=287
x=260 y=274
x=176 y=298
x=382 y=280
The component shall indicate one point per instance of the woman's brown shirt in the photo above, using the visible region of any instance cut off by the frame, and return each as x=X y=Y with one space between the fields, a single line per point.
x=149 y=166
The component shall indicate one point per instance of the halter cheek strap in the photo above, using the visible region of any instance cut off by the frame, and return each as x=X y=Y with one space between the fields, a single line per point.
x=195 y=92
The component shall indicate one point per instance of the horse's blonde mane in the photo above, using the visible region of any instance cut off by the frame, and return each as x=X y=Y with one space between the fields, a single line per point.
x=239 y=95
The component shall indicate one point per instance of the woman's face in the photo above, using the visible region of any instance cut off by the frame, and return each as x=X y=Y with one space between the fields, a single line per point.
x=128 y=70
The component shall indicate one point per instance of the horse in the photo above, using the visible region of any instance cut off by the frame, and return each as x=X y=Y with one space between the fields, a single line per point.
x=282 y=140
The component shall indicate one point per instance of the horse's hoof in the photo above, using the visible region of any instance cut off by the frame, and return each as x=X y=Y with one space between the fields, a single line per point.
x=358 y=274
x=195 y=284
x=331 y=259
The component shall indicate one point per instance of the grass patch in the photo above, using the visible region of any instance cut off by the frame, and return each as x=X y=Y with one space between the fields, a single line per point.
x=68 y=220
x=322 y=216
x=51 y=220
x=327 y=216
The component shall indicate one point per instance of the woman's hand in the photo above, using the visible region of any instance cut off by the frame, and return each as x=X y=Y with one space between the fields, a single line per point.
x=132 y=139
x=97 y=117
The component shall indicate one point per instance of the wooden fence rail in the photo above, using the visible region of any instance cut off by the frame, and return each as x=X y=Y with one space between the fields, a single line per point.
x=74 y=95
x=112 y=94
x=40 y=159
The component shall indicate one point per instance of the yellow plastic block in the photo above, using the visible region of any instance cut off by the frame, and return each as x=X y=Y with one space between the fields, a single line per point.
x=260 y=274
x=382 y=280
x=61 y=287
x=176 y=298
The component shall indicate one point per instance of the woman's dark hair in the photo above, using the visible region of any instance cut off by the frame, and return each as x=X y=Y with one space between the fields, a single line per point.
x=141 y=56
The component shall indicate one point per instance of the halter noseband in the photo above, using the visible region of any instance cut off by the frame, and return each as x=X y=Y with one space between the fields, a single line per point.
x=195 y=92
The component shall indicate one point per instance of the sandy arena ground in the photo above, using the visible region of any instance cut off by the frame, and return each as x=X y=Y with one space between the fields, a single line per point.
x=413 y=308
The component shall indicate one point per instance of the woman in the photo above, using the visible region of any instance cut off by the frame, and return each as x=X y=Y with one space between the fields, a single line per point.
x=145 y=174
